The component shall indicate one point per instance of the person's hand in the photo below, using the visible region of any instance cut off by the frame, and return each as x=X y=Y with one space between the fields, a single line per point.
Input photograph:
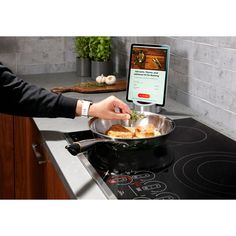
x=107 y=109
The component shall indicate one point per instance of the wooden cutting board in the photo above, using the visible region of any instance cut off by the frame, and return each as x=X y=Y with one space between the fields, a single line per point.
x=91 y=87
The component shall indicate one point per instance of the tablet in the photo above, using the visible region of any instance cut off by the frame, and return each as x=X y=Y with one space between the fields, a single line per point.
x=148 y=72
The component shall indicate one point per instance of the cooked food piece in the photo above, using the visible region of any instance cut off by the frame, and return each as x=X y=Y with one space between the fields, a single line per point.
x=131 y=129
x=157 y=133
x=119 y=131
x=145 y=131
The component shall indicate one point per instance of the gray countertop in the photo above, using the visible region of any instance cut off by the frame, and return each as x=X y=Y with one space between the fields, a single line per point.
x=72 y=171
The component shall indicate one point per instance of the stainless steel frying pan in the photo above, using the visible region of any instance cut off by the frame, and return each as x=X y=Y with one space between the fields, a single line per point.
x=99 y=127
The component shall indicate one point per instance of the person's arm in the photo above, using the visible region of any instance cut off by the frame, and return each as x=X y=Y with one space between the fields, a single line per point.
x=18 y=97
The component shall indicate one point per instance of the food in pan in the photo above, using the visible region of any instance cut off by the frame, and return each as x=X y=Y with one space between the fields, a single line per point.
x=145 y=132
x=119 y=131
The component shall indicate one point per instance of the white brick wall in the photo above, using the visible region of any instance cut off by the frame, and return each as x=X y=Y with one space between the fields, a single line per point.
x=203 y=75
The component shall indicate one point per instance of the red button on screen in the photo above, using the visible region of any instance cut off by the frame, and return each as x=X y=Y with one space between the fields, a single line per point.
x=143 y=95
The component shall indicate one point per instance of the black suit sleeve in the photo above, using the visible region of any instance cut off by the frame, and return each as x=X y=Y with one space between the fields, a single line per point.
x=18 y=97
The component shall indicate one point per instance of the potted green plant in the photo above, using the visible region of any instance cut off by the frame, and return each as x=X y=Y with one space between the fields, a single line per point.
x=99 y=53
x=83 y=62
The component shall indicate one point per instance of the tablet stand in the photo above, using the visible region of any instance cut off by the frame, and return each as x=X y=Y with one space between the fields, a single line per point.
x=147 y=107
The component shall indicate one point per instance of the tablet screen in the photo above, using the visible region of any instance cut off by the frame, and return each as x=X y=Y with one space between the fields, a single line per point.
x=148 y=71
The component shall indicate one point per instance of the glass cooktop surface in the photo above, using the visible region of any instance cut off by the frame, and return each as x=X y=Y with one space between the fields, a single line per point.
x=196 y=162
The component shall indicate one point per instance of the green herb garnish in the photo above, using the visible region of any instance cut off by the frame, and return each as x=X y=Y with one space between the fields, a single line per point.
x=92 y=84
x=134 y=116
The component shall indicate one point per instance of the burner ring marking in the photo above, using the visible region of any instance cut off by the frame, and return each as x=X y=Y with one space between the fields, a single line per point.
x=229 y=154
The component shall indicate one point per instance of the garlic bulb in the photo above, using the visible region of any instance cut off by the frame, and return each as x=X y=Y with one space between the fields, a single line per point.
x=103 y=79
x=100 y=79
x=110 y=79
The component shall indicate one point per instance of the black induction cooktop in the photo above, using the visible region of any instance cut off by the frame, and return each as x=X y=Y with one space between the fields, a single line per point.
x=196 y=162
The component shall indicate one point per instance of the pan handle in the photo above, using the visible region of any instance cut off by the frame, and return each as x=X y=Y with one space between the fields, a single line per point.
x=81 y=146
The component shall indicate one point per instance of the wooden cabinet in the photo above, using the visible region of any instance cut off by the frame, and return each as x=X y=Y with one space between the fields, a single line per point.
x=6 y=157
x=29 y=172
x=55 y=188
x=26 y=171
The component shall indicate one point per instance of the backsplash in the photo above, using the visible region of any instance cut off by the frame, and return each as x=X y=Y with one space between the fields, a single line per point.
x=38 y=55
x=202 y=73
x=202 y=69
